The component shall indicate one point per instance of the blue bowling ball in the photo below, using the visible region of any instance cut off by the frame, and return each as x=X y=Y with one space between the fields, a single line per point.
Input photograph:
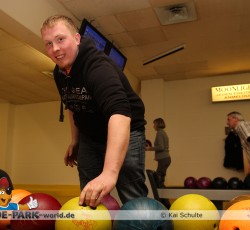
x=140 y=214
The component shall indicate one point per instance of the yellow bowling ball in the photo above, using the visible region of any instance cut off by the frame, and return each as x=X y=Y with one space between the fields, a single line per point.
x=194 y=212
x=83 y=217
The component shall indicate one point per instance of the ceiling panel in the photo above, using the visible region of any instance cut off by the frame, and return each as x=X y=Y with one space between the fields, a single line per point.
x=217 y=43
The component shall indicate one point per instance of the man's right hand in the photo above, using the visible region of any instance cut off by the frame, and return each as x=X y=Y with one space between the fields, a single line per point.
x=70 y=158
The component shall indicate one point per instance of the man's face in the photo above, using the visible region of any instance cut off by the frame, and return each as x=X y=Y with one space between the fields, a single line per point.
x=61 y=45
x=4 y=197
x=232 y=122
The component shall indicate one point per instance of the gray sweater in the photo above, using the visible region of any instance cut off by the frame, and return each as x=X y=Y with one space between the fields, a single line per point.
x=161 y=145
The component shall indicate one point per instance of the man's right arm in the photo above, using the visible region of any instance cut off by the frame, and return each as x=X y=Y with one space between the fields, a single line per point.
x=70 y=157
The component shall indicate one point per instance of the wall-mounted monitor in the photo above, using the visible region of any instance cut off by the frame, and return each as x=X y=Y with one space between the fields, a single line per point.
x=102 y=43
x=89 y=31
x=117 y=57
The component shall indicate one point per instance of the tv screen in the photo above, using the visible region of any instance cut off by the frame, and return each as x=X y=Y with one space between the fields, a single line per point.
x=117 y=57
x=102 y=43
x=88 y=31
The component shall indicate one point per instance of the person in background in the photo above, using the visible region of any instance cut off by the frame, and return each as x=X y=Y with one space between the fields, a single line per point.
x=233 y=151
x=236 y=122
x=161 y=148
x=106 y=116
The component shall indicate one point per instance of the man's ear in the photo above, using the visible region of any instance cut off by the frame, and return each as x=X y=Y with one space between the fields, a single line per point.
x=78 y=38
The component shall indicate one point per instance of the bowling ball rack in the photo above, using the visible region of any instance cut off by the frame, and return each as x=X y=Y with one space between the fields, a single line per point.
x=217 y=196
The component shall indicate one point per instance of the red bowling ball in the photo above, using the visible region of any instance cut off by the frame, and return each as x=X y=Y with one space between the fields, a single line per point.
x=190 y=182
x=204 y=183
x=45 y=202
x=111 y=204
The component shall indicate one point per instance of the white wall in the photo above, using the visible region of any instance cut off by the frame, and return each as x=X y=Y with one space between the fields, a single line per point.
x=33 y=141
x=39 y=143
x=195 y=125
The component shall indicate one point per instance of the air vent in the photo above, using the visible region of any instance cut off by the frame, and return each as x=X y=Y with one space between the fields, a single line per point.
x=182 y=12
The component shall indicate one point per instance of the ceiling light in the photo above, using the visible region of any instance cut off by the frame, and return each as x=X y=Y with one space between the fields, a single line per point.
x=167 y=53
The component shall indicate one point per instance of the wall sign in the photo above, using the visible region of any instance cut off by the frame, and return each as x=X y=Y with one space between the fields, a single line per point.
x=230 y=93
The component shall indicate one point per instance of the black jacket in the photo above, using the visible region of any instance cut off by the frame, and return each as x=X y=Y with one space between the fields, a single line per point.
x=233 y=152
x=95 y=89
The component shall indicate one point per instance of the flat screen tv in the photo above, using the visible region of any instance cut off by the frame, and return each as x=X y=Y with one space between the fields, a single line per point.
x=117 y=57
x=102 y=43
x=89 y=31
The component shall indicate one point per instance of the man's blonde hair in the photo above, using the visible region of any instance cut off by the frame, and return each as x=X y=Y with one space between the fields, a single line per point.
x=53 y=20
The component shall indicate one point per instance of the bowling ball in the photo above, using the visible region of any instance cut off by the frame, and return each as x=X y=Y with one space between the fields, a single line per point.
x=235 y=183
x=204 y=183
x=138 y=214
x=236 y=217
x=191 y=212
x=190 y=182
x=84 y=217
x=5 y=224
x=45 y=202
x=219 y=183
x=236 y=199
x=111 y=204
x=247 y=182
x=19 y=194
